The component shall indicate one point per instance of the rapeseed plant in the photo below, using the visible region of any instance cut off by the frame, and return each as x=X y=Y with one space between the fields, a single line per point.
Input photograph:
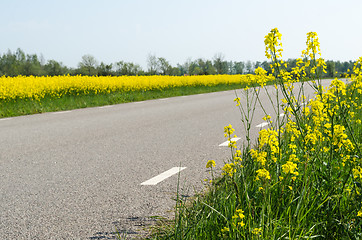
x=210 y=164
x=303 y=177
x=36 y=88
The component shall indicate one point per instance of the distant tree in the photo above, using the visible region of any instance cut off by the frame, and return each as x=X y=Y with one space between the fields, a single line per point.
x=249 y=67
x=219 y=64
x=105 y=69
x=152 y=64
x=238 y=67
x=122 y=68
x=32 y=66
x=128 y=68
x=54 y=68
x=19 y=63
x=292 y=63
x=182 y=69
x=164 y=66
x=338 y=66
x=342 y=67
x=205 y=67
x=19 y=55
x=257 y=64
x=346 y=66
x=9 y=65
x=351 y=64
x=88 y=65
x=187 y=66
x=331 y=69
x=230 y=67
x=266 y=66
x=175 y=71
x=202 y=66
x=194 y=68
x=210 y=69
x=42 y=60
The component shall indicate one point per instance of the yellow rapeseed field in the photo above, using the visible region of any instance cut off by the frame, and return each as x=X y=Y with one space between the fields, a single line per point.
x=36 y=88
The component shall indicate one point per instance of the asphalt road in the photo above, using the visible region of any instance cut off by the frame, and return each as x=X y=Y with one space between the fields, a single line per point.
x=78 y=174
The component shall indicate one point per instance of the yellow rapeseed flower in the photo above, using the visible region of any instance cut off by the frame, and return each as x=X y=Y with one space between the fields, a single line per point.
x=256 y=231
x=237 y=100
x=262 y=173
x=259 y=156
x=357 y=172
x=229 y=169
x=290 y=167
x=228 y=130
x=273 y=45
x=238 y=217
x=359 y=214
x=210 y=164
x=36 y=88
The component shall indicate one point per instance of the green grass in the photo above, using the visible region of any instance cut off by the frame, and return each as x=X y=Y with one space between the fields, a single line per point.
x=68 y=102
x=324 y=201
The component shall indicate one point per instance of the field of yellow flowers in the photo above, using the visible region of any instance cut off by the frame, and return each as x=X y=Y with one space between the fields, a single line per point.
x=37 y=88
x=302 y=178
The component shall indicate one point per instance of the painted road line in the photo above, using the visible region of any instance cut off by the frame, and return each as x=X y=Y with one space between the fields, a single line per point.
x=108 y=106
x=263 y=124
x=163 y=176
x=226 y=144
x=61 y=112
x=4 y=119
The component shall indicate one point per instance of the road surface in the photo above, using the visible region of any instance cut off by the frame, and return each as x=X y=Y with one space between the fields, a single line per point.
x=84 y=173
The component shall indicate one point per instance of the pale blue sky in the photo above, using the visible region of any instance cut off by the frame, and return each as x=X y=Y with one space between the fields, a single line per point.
x=129 y=30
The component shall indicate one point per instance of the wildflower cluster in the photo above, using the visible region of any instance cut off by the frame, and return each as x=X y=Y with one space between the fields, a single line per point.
x=313 y=64
x=313 y=46
x=229 y=169
x=273 y=50
x=228 y=130
x=238 y=218
x=36 y=88
x=307 y=165
x=290 y=167
x=269 y=138
x=301 y=177
x=262 y=76
x=210 y=164
x=262 y=174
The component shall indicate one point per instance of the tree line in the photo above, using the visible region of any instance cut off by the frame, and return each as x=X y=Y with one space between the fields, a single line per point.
x=19 y=63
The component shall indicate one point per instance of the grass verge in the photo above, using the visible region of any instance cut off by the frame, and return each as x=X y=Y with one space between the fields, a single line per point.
x=301 y=182
x=302 y=179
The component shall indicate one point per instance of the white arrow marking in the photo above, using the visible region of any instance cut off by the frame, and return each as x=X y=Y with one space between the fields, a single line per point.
x=108 y=106
x=163 y=176
x=263 y=124
x=226 y=144
x=61 y=112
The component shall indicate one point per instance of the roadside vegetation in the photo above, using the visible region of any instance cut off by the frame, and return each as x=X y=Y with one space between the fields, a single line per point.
x=302 y=179
x=28 y=95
